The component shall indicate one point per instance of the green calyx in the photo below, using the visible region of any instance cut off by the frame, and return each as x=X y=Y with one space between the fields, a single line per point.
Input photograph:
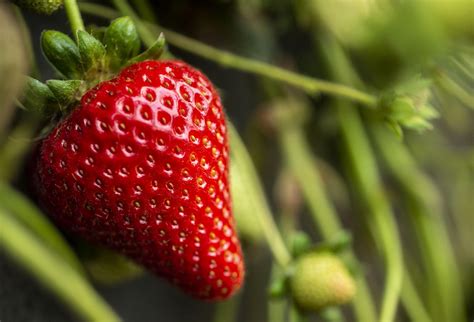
x=62 y=52
x=44 y=7
x=122 y=42
x=92 y=52
x=65 y=91
x=320 y=280
x=95 y=57
x=408 y=106
x=37 y=97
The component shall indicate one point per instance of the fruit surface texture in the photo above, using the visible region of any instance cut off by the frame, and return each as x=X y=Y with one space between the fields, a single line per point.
x=141 y=166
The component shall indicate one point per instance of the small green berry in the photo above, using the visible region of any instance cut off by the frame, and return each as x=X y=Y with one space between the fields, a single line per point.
x=321 y=280
x=44 y=7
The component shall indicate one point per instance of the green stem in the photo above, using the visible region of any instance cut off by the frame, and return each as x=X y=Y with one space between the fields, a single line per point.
x=53 y=272
x=308 y=84
x=425 y=204
x=74 y=16
x=263 y=213
x=412 y=302
x=26 y=213
x=366 y=177
x=301 y=162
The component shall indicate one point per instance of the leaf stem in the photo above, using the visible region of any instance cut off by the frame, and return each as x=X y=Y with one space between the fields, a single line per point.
x=25 y=212
x=308 y=84
x=53 y=272
x=424 y=204
x=302 y=164
x=365 y=176
x=263 y=213
x=74 y=16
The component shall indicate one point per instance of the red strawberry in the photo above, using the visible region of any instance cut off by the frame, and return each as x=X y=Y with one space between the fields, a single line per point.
x=141 y=166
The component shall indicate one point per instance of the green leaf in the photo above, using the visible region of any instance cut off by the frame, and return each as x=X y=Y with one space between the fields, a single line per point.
x=122 y=42
x=62 y=52
x=25 y=212
x=51 y=270
x=300 y=243
x=154 y=52
x=92 y=51
x=65 y=91
x=278 y=286
x=38 y=97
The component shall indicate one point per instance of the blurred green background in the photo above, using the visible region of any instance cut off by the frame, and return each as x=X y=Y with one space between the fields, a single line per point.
x=383 y=175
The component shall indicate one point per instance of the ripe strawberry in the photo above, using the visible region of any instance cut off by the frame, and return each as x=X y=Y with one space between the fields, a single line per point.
x=141 y=166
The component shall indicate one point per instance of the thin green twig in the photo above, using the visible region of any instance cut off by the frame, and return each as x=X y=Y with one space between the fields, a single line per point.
x=309 y=84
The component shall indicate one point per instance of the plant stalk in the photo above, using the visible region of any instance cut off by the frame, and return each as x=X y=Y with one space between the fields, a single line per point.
x=63 y=280
x=263 y=213
x=74 y=16
x=308 y=84
x=424 y=209
x=324 y=215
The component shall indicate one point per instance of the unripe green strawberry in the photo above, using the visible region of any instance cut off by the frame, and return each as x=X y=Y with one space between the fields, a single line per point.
x=44 y=7
x=321 y=280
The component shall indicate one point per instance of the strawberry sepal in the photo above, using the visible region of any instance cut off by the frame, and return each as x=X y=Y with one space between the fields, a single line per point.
x=63 y=53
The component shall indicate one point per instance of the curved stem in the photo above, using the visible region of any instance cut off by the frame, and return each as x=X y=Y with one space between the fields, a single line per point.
x=263 y=213
x=383 y=225
x=53 y=272
x=366 y=177
x=424 y=209
x=412 y=302
x=303 y=167
x=74 y=16
x=308 y=84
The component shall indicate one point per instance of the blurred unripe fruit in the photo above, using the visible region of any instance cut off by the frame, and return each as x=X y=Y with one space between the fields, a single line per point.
x=321 y=280
x=43 y=7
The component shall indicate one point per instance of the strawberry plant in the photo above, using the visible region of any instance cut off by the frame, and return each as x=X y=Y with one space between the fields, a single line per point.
x=129 y=164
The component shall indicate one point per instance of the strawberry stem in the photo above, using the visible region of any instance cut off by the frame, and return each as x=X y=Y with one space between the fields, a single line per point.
x=308 y=84
x=264 y=216
x=366 y=178
x=424 y=208
x=302 y=164
x=74 y=16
